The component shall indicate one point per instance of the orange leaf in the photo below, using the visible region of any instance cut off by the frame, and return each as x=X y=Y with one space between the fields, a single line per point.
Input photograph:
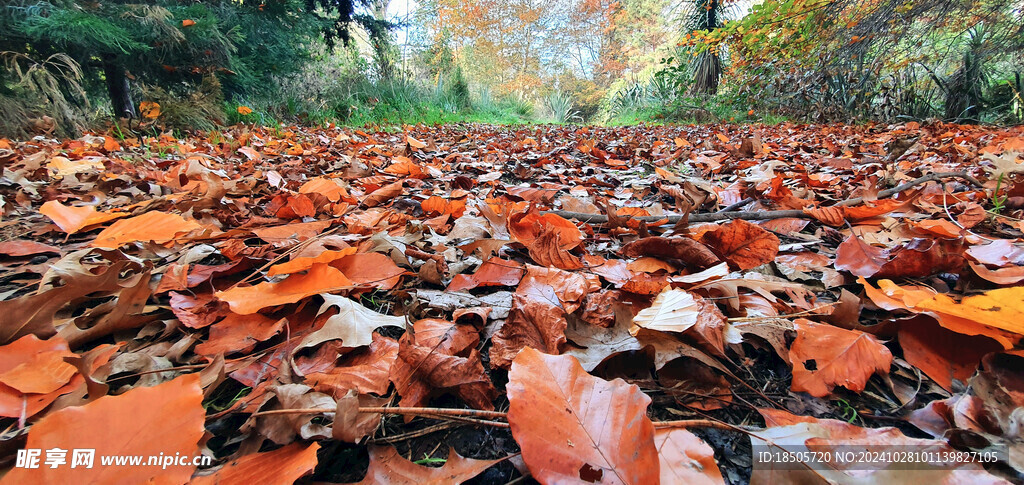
x=833 y=216
x=365 y=370
x=388 y=466
x=239 y=334
x=840 y=358
x=493 y=272
x=149 y=110
x=188 y=23
x=742 y=244
x=1002 y=308
x=528 y=226
x=283 y=465
x=321 y=278
x=384 y=194
x=872 y=209
x=370 y=270
x=414 y=142
x=942 y=354
x=164 y=420
x=73 y=219
x=244 y=110
x=684 y=458
x=546 y=251
x=859 y=257
x=302 y=264
x=437 y=205
x=937 y=227
x=327 y=188
x=153 y=226
x=26 y=387
x=574 y=427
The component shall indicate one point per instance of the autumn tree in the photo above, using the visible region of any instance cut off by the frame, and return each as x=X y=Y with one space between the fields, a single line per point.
x=166 y=44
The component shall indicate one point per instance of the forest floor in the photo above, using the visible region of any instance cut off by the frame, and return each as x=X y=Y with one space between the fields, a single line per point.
x=549 y=302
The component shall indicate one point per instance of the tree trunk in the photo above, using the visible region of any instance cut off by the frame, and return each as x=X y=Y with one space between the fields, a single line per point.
x=117 y=88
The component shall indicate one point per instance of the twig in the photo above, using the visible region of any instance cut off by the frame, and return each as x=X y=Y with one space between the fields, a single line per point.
x=428 y=412
x=737 y=205
x=702 y=423
x=460 y=415
x=415 y=434
x=767 y=215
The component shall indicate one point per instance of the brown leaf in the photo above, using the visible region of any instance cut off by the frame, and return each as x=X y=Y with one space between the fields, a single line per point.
x=546 y=251
x=493 y=272
x=859 y=257
x=942 y=354
x=366 y=370
x=531 y=323
x=384 y=194
x=690 y=252
x=742 y=244
x=350 y=425
x=424 y=369
x=573 y=427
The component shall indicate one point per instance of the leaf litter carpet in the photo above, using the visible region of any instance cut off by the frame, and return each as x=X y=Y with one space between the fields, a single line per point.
x=560 y=304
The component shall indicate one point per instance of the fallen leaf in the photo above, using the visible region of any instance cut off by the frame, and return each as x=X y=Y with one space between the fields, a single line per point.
x=742 y=244
x=388 y=466
x=165 y=420
x=672 y=311
x=321 y=278
x=283 y=465
x=159 y=227
x=685 y=249
x=573 y=427
x=353 y=324
x=685 y=459
x=840 y=358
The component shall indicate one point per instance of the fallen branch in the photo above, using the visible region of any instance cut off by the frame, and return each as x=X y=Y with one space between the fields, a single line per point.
x=467 y=415
x=767 y=215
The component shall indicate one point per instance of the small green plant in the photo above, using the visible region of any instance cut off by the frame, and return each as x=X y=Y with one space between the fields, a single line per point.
x=427 y=460
x=998 y=203
x=215 y=406
x=847 y=411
